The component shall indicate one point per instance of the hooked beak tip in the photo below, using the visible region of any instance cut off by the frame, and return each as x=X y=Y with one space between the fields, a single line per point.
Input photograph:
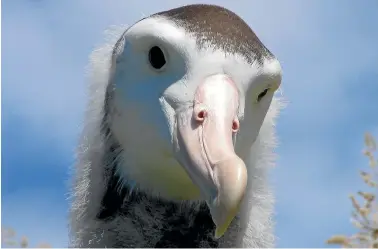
x=231 y=176
x=222 y=228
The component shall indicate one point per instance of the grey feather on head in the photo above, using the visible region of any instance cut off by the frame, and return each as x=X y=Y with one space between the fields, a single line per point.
x=179 y=135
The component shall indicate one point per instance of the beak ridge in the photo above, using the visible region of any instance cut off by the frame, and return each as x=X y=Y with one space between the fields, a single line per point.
x=204 y=135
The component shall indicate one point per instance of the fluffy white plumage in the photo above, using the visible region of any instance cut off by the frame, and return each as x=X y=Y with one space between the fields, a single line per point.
x=144 y=107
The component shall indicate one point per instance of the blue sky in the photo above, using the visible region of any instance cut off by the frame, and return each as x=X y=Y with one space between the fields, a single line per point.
x=328 y=50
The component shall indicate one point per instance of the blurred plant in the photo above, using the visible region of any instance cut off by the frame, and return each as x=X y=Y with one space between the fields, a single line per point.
x=365 y=213
x=9 y=239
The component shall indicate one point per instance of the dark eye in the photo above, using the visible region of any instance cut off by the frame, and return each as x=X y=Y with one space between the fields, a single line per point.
x=262 y=94
x=156 y=57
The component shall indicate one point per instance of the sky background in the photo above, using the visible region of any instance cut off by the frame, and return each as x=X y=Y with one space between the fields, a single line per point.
x=329 y=54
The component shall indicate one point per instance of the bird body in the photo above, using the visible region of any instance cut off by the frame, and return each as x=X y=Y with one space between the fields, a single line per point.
x=179 y=135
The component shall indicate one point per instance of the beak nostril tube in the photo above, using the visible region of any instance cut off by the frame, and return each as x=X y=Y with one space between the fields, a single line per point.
x=200 y=114
x=235 y=125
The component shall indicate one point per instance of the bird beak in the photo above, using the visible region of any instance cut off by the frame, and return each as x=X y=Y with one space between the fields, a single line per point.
x=206 y=151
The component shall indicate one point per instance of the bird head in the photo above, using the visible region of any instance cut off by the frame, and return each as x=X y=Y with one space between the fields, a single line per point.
x=183 y=98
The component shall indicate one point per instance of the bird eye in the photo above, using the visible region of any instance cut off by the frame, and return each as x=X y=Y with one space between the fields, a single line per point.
x=262 y=94
x=156 y=57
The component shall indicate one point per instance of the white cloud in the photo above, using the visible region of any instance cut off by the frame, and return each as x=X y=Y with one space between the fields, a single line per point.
x=41 y=81
x=47 y=54
x=321 y=45
x=54 y=39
